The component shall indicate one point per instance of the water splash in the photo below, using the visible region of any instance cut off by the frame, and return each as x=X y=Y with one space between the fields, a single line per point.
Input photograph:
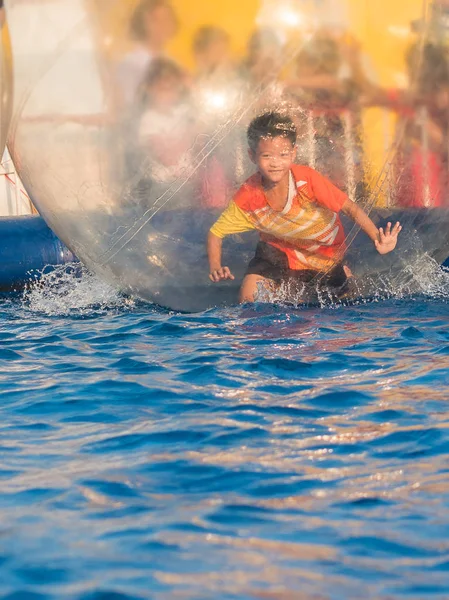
x=72 y=289
x=426 y=276
x=421 y=277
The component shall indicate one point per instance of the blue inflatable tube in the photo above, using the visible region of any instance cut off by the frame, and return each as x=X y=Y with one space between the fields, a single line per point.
x=27 y=246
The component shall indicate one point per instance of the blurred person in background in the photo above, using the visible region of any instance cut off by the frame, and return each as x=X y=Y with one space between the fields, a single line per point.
x=216 y=96
x=165 y=130
x=212 y=52
x=324 y=94
x=264 y=58
x=153 y=25
x=261 y=70
x=421 y=162
x=256 y=87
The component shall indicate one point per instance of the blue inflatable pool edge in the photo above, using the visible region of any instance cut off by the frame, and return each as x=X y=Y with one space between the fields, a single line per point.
x=27 y=247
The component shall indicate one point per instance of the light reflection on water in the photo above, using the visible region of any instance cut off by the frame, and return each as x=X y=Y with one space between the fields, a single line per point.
x=254 y=452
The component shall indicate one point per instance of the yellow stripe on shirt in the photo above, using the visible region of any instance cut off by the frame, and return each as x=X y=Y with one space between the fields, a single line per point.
x=232 y=220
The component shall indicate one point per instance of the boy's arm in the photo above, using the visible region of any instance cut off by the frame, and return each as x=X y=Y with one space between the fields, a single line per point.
x=385 y=241
x=232 y=220
x=217 y=272
x=328 y=195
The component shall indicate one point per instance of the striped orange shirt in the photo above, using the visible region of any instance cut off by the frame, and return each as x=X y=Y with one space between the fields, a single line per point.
x=308 y=230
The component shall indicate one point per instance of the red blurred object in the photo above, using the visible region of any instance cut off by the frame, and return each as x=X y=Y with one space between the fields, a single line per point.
x=215 y=187
x=422 y=181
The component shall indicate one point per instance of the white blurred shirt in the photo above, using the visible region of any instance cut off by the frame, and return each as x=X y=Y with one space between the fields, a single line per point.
x=172 y=129
x=175 y=123
x=131 y=72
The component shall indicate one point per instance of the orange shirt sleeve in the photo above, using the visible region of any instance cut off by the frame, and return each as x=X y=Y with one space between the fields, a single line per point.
x=325 y=192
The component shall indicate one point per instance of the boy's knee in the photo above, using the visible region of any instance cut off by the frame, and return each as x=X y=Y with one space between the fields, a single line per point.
x=244 y=297
x=250 y=288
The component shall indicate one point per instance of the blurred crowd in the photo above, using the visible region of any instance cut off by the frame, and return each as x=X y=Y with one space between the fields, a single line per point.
x=176 y=122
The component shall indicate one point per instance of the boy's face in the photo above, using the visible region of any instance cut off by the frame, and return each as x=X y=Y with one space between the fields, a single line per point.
x=273 y=158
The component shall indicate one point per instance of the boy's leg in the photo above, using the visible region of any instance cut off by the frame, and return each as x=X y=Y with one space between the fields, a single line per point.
x=249 y=287
x=347 y=288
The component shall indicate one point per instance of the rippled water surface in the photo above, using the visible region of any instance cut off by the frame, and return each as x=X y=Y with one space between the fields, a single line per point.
x=253 y=452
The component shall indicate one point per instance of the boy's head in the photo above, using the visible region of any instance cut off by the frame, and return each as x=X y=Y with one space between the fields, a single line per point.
x=272 y=145
x=211 y=47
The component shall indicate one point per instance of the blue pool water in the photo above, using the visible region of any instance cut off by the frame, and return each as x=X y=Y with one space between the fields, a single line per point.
x=251 y=452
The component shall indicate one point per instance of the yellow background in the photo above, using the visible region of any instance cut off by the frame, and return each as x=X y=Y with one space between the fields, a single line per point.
x=382 y=27
x=237 y=17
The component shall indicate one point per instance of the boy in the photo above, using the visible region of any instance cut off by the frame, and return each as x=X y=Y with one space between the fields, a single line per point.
x=295 y=209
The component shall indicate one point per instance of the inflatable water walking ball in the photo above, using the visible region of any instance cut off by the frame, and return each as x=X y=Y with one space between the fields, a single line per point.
x=6 y=86
x=129 y=125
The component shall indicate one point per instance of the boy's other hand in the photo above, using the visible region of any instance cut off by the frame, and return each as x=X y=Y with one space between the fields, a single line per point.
x=388 y=239
x=221 y=273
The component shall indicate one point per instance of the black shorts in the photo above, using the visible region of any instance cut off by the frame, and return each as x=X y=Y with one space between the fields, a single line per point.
x=272 y=263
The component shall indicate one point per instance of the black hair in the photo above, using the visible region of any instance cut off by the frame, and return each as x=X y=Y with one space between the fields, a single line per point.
x=137 y=25
x=207 y=35
x=271 y=125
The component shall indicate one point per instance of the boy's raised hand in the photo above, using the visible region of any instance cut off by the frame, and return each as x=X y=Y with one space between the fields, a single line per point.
x=220 y=274
x=388 y=239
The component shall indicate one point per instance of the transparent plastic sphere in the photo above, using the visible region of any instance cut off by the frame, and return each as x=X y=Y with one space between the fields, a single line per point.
x=130 y=118
x=6 y=83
